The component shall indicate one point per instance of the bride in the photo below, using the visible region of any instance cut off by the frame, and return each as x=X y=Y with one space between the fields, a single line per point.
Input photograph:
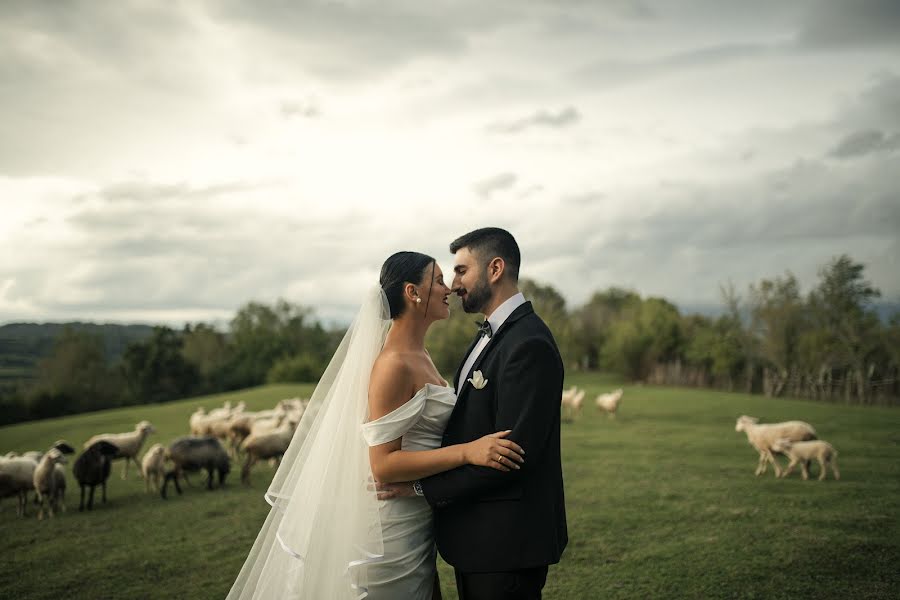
x=378 y=413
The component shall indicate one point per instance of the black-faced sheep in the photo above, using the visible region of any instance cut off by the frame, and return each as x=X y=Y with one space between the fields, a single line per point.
x=92 y=469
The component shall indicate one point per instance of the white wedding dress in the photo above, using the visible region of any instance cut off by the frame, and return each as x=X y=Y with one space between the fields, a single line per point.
x=328 y=537
x=408 y=568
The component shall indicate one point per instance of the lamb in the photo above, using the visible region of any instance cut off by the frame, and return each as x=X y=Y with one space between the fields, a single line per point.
x=129 y=444
x=763 y=437
x=45 y=481
x=804 y=452
x=92 y=468
x=17 y=479
x=609 y=402
x=269 y=445
x=153 y=466
x=193 y=454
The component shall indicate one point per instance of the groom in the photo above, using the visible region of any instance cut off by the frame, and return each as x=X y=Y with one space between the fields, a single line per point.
x=501 y=530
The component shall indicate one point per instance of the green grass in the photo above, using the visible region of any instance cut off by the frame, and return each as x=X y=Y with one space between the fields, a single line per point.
x=662 y=503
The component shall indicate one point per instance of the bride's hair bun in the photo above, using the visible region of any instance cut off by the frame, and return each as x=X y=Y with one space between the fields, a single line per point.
x=399 y=269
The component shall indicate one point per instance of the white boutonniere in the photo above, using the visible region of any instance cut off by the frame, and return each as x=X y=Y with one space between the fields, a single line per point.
x=477 y=380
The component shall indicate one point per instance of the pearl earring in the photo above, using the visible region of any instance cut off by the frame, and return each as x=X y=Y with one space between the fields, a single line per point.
x=418 y=301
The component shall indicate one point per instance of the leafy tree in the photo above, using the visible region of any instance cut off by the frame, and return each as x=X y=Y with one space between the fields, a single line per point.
x=777 y=320
x=591 y=323
x=74 y=378
x=155 y=370
x=841 y=305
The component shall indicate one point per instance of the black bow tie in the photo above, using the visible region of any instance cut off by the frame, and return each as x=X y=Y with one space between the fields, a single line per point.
x=484 y=328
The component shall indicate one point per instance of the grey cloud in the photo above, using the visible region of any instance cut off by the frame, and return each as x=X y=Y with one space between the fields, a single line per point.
x=608 y=72
x=365 y=38
x=857 y=23
x=861 y=143
x=502 y=181
x=123 y=35
x=542 y=118
x=161 y=247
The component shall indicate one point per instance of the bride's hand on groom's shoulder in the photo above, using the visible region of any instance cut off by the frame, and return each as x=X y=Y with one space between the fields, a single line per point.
x=495 y=452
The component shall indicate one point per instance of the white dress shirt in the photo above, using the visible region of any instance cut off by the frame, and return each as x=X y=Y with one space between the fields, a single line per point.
x=496 y=319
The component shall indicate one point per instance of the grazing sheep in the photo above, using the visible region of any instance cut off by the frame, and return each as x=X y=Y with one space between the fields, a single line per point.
x=191 y=454
x=763 y=437
x=129 y=444
x=609 y=402
x=268 y=445
x=153 y=466
x=92 y=468
x=45 y=481
x=17 y=479
x=804 y=452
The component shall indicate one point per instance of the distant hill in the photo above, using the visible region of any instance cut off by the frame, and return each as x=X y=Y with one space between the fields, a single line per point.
x=22 y=345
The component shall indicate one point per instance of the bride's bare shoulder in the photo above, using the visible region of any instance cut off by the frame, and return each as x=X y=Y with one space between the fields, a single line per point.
x=391 y=376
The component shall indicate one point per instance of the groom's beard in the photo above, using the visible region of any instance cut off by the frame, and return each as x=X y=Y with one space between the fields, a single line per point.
x=478 y=297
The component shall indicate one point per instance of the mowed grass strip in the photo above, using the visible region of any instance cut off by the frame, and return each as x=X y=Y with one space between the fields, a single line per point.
x=662 y=503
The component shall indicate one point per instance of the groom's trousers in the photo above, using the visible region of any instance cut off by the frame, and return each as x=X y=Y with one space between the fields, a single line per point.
x=523 y=584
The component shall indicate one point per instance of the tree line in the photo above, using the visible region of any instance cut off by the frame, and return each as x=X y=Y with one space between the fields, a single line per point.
x=827 y=344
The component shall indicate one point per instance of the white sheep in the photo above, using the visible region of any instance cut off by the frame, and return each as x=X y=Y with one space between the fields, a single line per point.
x=609 y=402
x=45 y=481
x=129 y=444
x=804 y=452
x=17 y=479
x=763 y=437
x=571 y=401
x=59 y=496
x=269 y=445
x=153 y=466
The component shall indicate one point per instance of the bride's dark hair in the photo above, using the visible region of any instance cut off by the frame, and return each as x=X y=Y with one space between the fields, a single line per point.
x=399 y=269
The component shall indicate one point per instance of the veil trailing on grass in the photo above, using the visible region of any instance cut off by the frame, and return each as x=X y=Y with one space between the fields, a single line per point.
x=324 y=530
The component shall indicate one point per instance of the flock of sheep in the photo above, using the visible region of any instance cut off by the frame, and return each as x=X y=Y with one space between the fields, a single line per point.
x=262 y=435
x=266 y=434
x=573 y=398
x=795 y=439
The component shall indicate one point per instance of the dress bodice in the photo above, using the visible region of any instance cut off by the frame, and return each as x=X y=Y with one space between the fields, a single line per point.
x=420 y=421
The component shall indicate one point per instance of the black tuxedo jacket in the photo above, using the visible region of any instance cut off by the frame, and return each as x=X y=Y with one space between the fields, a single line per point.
x=487 y=520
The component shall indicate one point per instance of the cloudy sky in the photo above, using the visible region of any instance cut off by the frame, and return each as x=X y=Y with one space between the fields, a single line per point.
x=170 y=161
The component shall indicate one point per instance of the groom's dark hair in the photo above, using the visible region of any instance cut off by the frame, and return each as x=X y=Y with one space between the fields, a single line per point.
x=487 y=244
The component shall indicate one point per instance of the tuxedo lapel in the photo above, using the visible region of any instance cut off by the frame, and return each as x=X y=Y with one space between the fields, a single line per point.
x=463 y=362
x=517 y=314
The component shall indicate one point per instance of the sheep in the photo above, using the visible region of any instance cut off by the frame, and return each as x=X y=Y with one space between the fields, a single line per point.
x=59 y=497
x=17 y=474
x=92 y=468
x=45 y=481
x=153 y=466
x=269 y=445
x=17 y=479
x=193 y=454
x=762 y=437
x=129 y=444
x=609 y=402
x=571 y=400
x=804 y=452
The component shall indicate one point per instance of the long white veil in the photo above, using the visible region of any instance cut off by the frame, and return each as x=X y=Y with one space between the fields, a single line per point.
x=323 y=530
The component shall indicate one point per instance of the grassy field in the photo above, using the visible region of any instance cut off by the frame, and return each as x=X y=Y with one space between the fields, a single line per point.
x=662 y=503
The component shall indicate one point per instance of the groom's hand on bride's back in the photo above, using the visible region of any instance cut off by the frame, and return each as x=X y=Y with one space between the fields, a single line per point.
x=389 y=491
